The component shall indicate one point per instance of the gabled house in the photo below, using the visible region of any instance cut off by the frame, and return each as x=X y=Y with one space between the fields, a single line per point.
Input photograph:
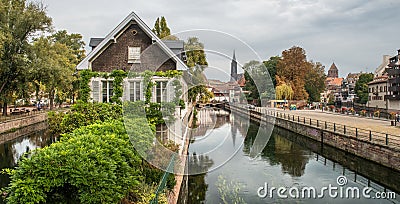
x=132 y=46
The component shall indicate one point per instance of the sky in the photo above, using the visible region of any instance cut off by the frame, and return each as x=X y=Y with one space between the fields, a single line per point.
x=354 y=34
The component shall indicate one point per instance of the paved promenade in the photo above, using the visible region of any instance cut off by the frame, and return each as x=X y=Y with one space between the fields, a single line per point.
x=348 y=120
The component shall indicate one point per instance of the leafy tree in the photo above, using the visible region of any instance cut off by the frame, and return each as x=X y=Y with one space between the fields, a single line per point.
x=54 y=65
x=361 y=87
x=195 y=54
x=283 y=91
x=315 y=81
x=257 y=80
x=271 y=65
x=19 y=21
x=162 y=30
x=293 y=67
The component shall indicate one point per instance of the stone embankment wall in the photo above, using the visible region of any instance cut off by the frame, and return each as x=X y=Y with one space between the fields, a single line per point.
x=12 y=129
x=385 y=155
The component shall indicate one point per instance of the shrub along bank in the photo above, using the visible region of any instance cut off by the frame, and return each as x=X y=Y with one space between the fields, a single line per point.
x=94 y=161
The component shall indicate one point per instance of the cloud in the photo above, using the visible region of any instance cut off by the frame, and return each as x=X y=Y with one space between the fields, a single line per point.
x=353 y=33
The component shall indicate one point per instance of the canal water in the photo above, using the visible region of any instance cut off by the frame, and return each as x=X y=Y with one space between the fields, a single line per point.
x=226 y=171
x=35 y=136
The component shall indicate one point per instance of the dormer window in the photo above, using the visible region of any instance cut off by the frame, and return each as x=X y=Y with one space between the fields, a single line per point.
x=133 y=55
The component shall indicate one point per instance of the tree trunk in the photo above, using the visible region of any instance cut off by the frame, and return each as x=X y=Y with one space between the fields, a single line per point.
x=51 y=96
x=4 y=109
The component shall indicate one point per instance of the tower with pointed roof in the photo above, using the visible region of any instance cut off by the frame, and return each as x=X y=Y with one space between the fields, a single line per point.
x=333 y=72
x=234 y=75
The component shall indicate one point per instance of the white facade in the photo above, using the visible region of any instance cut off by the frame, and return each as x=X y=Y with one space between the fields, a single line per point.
x=134 y=89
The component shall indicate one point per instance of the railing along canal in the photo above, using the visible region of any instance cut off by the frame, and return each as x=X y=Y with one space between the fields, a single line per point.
x=380 y=138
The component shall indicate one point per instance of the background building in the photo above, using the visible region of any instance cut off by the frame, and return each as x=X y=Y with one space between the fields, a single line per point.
x=393 y=72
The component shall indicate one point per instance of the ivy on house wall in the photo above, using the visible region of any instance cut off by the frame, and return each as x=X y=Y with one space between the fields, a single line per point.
x=118 y=76
x=84 y=79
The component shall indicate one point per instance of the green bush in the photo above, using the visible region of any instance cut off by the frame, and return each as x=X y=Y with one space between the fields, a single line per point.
x=94 y=164
x=83 y=114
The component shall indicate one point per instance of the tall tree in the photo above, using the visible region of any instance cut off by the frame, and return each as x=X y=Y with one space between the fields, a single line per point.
x=271 y=65
x=19 y=21
x=294 y=66
x=315 y=81
x=361 y=87
x=195 y=54
x=162 y=30
x=156 y=28
x=258 y=81
x=76 y=45
x=53 y=64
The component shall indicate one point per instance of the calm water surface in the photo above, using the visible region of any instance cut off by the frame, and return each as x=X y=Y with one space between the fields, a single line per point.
x=12 y=151
x=288 y=160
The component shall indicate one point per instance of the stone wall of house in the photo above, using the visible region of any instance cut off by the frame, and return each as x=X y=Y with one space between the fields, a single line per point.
x=115 y=56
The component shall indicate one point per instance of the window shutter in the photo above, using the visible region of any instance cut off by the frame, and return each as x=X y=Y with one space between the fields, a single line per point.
x=133 y=54
x=96 y=90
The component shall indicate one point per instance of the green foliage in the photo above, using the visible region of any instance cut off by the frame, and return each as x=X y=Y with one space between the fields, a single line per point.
x=118 y=76
x=271 y=65
x=258 y=79
x=361 y=87
x=195 y=54
x=144 y=194
x=53 y=66
x=84 y=80
x=284 y=91
x=229 y=191
x=315 y=81
x=20 y=21
x=94 y=164
x=162 y=30
x=83 y=114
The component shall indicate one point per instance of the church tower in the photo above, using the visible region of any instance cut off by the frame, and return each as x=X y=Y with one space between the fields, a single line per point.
x=333 y=72
x=234 y=75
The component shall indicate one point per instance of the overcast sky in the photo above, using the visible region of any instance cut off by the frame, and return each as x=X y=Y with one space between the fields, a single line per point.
x=352 y=33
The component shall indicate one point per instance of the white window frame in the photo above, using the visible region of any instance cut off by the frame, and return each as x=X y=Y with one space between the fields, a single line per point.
x=108 y=82
x=134 y=55
x=163 y=91
x=134 y=83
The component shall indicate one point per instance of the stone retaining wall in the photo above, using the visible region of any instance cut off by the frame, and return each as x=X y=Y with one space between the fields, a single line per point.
x=22 y=122
x=383 y=155
x=5 y=137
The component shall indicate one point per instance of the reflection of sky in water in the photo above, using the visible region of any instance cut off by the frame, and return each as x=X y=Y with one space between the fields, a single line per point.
x=23 y=147
x=11 y=151
x=283 y=164
x=218 y=145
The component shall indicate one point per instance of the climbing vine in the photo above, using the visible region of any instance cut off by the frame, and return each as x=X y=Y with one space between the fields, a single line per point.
x=84 y=92
x=118 y=76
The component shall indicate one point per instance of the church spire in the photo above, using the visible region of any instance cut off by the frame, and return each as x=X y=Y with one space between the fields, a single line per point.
x=234 y=67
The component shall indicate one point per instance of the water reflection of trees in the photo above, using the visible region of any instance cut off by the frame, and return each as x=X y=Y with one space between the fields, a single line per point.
x=10 y=152
x=197 y=186
x=280 y=151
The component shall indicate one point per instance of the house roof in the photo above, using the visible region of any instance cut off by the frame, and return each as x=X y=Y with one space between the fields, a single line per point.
x=334 y=81
x=333 y=67
x=113 y=35
x=379 y=79
x=94 y=42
